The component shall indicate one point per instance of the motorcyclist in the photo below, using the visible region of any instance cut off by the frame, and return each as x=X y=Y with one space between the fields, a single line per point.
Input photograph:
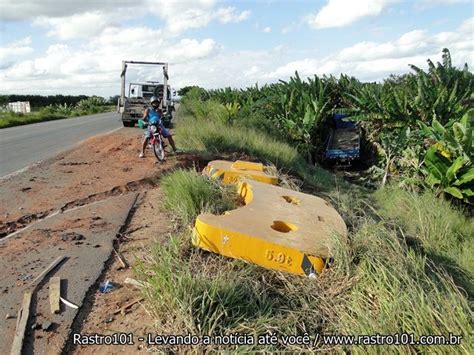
x=152 y=115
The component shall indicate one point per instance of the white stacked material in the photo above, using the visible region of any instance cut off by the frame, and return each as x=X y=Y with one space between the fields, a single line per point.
x=20 y=106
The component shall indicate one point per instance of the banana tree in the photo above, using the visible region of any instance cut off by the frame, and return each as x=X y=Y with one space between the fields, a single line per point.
x=232 y=110
x=454 y=139
x=455 y=178
x=449 y=162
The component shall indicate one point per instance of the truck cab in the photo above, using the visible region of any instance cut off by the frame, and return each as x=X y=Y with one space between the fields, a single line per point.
x=132 y=104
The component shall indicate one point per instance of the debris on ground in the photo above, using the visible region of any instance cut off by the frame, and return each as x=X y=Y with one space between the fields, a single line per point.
x=121 y=259
x=57 y=216
x=71 y=236
x=68 y=303
x=128 y=305
x=24 y=277
x=55 y=294
x=47 y=325
x=106 y=286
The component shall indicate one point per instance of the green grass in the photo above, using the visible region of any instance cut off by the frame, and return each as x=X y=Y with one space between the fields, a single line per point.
x=215 y=137
x=199 y=293
x=11 y=119
x=378 y=284
x=435 y=228
x=405 y=266
x=396 y=290
x=187 y=193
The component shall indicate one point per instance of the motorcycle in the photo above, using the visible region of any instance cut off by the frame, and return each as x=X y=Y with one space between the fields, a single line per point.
x=157 y=143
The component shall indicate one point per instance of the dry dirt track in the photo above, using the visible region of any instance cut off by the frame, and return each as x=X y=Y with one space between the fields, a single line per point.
x=88 y=190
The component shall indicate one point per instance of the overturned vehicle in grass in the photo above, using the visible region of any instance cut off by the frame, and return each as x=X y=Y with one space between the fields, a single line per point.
x=343 y=145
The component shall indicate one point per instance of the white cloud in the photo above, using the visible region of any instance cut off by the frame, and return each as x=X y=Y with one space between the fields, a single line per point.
x=70 y=19
x=25 y=9
x=231 y=15
x=374 y=61
x=304 y=66
x=267 y=29
x=94 y=67
x=236 y=69
x=408 y=44
x=128 y=40
x=180 y=16
x=340 y=13
x=426 y=4
x=82 y=25
x=14 y=51
x=252 y=72
x=191 y=49
x=467 y=25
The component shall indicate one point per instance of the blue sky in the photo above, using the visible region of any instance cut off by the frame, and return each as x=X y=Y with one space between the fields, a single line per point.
x=76 y=47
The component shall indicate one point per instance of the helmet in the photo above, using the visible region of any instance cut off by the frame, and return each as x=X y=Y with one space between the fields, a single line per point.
x=154 y=99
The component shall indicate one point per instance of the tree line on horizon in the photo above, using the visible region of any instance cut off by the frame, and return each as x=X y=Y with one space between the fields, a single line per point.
x=39 y=101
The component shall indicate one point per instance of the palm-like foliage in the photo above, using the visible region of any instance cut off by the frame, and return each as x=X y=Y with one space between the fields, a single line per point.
x=442 y=90
x=395 y=114
x=421 y=96
x=295 y=108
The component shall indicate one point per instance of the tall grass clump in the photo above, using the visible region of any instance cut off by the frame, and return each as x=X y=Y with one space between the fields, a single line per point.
x=440 y=231
x=394 y=286
x=187 y=193
x=192 y=292
x=397 y=290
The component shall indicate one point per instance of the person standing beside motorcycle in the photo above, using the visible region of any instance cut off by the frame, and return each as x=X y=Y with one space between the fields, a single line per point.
x=152 y=115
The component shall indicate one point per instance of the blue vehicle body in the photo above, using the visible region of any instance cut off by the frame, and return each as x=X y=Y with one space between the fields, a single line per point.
x=344 y=141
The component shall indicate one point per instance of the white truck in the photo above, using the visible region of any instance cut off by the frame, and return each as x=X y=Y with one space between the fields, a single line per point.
x=132 y=104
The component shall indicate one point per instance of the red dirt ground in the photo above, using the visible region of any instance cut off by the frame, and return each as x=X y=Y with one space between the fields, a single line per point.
x=100 y=167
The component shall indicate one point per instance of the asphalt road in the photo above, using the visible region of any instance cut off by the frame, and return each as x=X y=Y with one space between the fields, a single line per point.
x=23 y=145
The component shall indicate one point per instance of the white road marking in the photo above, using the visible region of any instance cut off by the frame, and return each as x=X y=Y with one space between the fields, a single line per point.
x=19 y=171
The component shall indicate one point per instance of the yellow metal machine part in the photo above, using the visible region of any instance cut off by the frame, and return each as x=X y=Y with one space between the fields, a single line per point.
x=231 y=172
x=277 y=228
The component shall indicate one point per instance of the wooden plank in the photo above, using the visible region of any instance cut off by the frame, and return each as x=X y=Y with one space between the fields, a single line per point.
x=23 y=315
x=121 y=259
x=128 y=305
x=40 y=277
x=55 y=294
x=133 y=282
x=24 y=312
